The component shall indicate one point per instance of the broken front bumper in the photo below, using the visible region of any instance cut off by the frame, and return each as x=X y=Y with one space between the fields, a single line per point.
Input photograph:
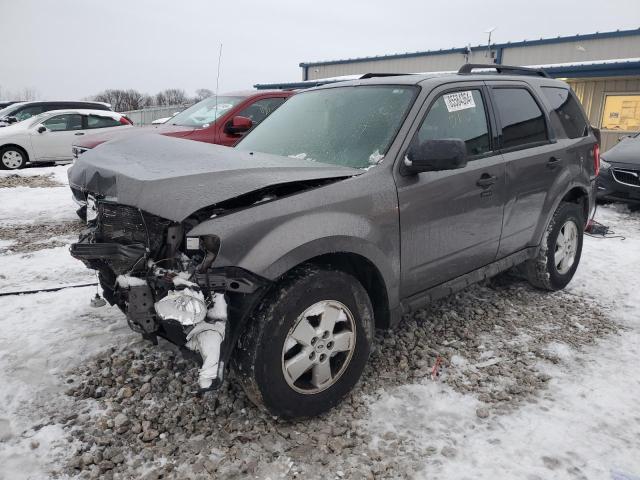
x=204 y=312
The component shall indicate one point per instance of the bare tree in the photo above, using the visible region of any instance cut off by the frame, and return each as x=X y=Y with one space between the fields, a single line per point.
x=124 y=100
x=27 y=94
x=202 y=93
x=160 y=99
x=172 y=96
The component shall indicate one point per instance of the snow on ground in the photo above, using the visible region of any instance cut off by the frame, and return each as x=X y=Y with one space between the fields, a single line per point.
x=585 y=424
x=42 y=336
x=36 y=205
x=42 y=269
x=24 y=204
x=588 y=423
x=58 y=173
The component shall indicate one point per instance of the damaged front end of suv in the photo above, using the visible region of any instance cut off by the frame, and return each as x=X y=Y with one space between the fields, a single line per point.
x=163 y=281
x=139 y=218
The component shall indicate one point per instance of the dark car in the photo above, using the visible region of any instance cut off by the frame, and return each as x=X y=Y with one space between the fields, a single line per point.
x=619 y=178
x=351 y=205
x=4 y=104
x=17 y=112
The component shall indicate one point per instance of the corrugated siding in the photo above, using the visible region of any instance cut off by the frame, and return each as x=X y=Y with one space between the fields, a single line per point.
x=578 y=51
x=429 y=63
x=600 y=49
x=591 y=94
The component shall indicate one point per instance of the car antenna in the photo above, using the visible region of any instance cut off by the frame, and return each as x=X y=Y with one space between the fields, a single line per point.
x=215 y=113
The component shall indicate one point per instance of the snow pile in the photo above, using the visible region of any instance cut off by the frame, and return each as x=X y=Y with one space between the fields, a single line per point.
x=59 y=173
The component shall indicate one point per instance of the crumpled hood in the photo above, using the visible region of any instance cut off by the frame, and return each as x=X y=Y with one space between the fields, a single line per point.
x=173 y=178
x=626 y=151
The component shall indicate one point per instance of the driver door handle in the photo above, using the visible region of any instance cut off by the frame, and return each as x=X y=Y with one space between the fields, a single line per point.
x=79 y=133
x=486 y=180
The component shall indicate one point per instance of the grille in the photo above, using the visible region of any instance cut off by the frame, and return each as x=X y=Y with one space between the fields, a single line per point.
x=127 y=225
x=627 y=177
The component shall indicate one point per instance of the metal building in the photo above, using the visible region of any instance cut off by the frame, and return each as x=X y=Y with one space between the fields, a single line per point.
x=602 y=68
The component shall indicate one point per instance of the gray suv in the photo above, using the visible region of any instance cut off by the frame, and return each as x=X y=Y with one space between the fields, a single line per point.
x=351 y=205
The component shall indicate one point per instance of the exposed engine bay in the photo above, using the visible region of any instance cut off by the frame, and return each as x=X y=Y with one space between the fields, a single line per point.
x=164 y=283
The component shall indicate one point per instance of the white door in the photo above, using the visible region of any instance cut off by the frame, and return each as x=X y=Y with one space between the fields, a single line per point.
x=55 y=140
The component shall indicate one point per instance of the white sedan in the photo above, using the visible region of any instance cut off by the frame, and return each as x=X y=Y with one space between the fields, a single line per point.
x=48 y=137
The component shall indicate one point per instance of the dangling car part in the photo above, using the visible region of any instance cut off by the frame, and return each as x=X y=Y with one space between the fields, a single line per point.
x=165 y=301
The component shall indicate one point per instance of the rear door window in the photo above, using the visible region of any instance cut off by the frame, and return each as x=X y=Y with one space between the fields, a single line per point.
x=567 y=114
x=459 y=114
x=522 y=120
x=65 y=122
x=97 y=121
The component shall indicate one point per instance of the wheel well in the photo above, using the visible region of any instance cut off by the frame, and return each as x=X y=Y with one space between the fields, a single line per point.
x=579 y=196
x=17 y=147
x=367 y=274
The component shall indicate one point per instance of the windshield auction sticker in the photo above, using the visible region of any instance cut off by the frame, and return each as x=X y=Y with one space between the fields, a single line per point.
x=459 y=101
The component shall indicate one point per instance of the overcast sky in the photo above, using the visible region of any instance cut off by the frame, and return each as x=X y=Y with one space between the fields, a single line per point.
x=75 y=48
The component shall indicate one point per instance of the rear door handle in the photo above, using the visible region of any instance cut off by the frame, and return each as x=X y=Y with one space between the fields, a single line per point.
x=486 y=180
x=554 y=162
x=79 y=133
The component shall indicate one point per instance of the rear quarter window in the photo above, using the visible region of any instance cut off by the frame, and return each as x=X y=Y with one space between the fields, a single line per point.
x=567 y=117
x=523 y=123
x=96 y=121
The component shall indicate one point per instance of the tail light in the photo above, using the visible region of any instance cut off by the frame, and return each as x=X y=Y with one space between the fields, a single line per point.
x=125 y=121
x=596 y=158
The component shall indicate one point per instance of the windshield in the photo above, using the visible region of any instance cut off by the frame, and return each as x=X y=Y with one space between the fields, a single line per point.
x=349 y=126
x=203 y=113
x=6 y=111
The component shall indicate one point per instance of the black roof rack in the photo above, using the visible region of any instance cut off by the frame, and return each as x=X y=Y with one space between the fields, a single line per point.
x=374 y=75
x=469 y=67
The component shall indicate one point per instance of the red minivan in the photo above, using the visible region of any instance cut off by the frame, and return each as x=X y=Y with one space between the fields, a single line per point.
x=222 y=120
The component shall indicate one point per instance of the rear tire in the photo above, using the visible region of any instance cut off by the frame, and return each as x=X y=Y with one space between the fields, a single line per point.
x=12 y=158
x=308 y=343
x=560 y=250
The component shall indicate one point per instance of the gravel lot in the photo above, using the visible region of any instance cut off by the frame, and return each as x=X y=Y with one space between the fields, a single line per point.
x=86 y=398
x=492 y=339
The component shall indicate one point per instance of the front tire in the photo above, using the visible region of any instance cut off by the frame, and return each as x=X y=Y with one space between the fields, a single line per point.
x=560 y=250
x=12 y=158
x=308 y=343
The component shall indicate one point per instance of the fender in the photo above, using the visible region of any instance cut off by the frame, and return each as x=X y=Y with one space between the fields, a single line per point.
x=557 y=199
x=21 y=145
x=270 y=245
x=339 y=244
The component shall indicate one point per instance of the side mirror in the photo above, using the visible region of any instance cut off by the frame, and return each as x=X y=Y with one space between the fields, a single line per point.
x=11 y=120
x=42 y=129
x=238 y=125
x=436 y=155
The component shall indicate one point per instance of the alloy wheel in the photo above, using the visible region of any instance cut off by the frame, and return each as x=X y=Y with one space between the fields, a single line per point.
x=319 y=347
x=566 y=247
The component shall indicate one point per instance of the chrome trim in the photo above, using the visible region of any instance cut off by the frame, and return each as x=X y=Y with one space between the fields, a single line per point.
x=631 y=172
